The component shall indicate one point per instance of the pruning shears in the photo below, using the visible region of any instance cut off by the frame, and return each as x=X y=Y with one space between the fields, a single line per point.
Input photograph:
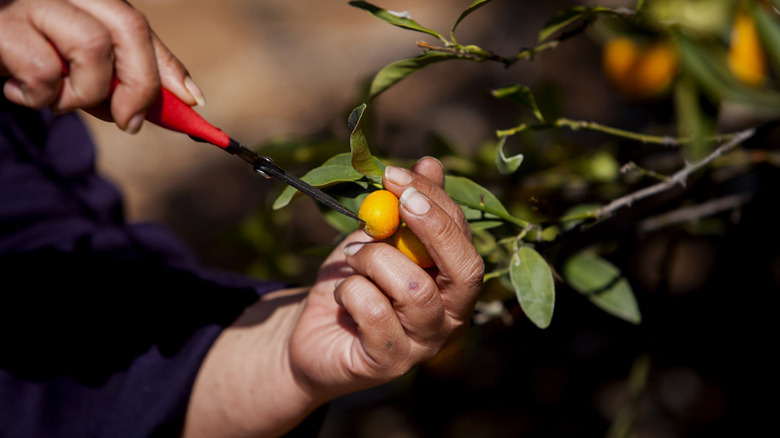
x=170 y=112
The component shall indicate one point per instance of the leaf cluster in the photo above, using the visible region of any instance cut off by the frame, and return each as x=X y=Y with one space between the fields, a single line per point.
x=511 y=238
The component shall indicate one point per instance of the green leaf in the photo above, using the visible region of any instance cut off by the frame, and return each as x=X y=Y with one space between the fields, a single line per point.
x=362 y=160
x=707 y=65
x=350 y=195
x=578 y=214
x=471 y=195
x=601 y=167
x=522 y=95
x=769 y=32
x=479 y=220
x=603 y=284
x=691 y=120
x=343 y=159
x=474 y=6
x=395 y=18
x=506 y=165
x=532 y=281
x=569 y=16
x=319 y=177
x=395 y=72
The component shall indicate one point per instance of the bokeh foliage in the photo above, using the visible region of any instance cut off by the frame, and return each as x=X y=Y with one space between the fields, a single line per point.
x=516 y=242
x=557 y=204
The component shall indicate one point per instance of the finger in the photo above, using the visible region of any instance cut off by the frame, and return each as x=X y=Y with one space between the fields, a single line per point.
x=135 y=65
x=397 y=179
x=412 y=292
x=33 y=66
x=460 y=266
x=380 y=332
x=335 y=267
x=430 y=168
x=175 y=77
x=84 y=46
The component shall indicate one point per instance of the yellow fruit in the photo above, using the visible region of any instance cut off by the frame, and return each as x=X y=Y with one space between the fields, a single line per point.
x=746 y=58
x=639 y=70
x=408 y=243
x=379 y=211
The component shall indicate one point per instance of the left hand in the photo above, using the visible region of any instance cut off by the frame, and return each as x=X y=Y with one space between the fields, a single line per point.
x=371 y=316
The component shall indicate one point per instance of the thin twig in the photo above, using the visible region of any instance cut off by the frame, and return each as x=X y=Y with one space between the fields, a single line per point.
x=690 y=213
x=664 y=140
x=632 y=167
x=678 y=178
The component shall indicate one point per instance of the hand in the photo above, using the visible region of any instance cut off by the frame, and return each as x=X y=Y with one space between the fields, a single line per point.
x=370 y=317
x=97 y=39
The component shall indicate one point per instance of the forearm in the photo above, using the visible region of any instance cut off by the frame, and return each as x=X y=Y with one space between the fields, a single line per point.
x=246 y=385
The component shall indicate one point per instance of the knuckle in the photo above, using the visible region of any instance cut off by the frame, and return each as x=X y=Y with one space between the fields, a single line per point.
x=95 y=42
x=375 y=314
x=423 y=294
x=41 y=84
x=475 y=272
x=135 y=22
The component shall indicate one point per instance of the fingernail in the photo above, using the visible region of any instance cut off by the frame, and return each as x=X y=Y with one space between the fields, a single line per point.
x=13 y=92
x=134 y=125
x=194 y=91
x=414 y=201
x=353 y=248
x=397 y=175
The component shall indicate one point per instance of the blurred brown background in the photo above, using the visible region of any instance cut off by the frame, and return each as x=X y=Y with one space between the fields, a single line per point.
x=279 y=69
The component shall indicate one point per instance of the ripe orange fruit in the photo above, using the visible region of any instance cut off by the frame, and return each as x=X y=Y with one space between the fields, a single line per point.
x=746 y=58
x=379 y=211
x=408 y=243
x=639 y=70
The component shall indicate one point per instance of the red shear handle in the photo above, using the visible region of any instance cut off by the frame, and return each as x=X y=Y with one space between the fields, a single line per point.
x=171 y=113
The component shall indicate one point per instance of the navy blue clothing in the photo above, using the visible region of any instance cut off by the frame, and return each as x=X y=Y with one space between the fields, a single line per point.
x=103 y=324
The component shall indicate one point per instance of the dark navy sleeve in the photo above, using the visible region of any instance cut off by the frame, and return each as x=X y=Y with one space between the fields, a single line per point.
x=103 y=324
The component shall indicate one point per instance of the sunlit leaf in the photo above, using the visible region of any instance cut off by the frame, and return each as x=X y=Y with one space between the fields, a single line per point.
x=603 y=284
x=569 y=16
x=395 y=72
x=466 y=192
x=474 y=6
x=533 y=283
x=362 y=160
x=319 y=177
x=506 y=165
x=402 y=20
x=522 y=95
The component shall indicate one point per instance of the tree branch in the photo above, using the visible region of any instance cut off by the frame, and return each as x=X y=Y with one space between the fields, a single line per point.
x=686 y=214
x=678 y=178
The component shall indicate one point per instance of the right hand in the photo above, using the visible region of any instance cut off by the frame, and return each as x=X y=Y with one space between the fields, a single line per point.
x=97 y=39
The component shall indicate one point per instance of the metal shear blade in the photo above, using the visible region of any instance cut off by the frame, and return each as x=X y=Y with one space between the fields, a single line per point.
x=267 y=167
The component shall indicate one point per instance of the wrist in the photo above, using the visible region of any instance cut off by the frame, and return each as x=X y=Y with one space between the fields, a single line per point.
x=246 y=385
